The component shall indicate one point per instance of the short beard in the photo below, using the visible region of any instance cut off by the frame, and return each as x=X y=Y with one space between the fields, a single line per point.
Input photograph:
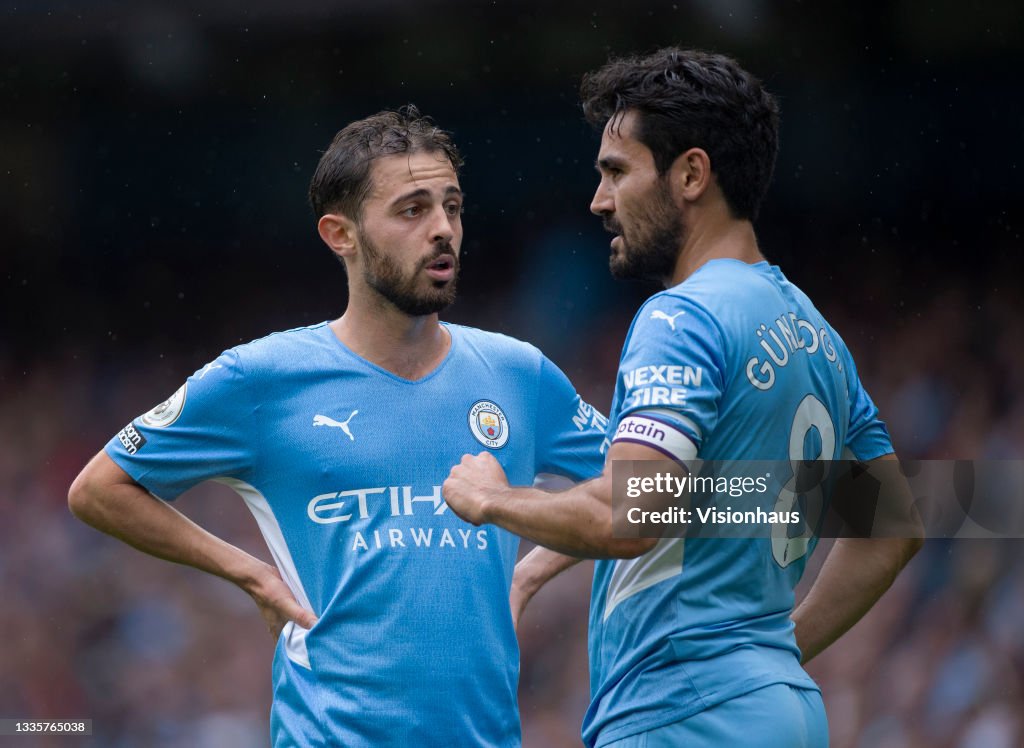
x=384 y=276
x=651 y=251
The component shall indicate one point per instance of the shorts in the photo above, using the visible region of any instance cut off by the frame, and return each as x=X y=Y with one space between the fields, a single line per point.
x=777 y=716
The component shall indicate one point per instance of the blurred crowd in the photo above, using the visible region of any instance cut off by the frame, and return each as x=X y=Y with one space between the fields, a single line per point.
x=162 y=656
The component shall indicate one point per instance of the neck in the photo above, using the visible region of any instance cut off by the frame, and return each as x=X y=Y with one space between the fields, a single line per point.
x=409 y=347
x=717 y=237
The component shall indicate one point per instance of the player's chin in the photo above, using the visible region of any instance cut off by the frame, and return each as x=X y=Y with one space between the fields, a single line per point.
x=620 y=267
x=440 y=297
x=441 y=293
x=442 y=285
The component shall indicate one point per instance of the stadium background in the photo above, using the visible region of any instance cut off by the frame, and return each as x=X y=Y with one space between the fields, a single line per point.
x=153 y=167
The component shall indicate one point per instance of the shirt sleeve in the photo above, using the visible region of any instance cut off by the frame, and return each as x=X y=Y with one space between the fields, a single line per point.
x=198 y=433
x=570 y=435
x=671 y=377
x=867 y=436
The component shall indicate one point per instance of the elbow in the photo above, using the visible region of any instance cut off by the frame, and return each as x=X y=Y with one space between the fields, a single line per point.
x=97 y=496
x=613 y=539
x=911 y=547
x=901 y=551
x=628 y=548
x=604 y=538
x=82 y=497
x=913 y=540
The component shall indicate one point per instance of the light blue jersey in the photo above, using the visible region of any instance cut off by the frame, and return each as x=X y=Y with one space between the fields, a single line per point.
x=341 y=463
x=733 y=363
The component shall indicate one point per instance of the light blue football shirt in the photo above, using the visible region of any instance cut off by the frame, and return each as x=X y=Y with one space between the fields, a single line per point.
x=735 y=363
x=341 y=463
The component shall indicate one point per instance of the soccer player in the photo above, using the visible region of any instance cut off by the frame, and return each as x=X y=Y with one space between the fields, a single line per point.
x=691 y=640
x=338 y=436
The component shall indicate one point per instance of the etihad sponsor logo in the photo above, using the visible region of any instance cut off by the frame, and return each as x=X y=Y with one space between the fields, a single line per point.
x=419 y=537
x=397 y=501
x=131 y=439
x=393 y=501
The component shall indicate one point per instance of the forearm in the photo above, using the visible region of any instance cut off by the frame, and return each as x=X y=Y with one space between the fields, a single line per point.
x=577 y=522
x=535 y=570
x=129 y=513
x=538 y=567
x=855 y=575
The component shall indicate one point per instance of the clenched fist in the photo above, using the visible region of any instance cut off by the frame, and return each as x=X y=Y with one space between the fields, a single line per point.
x=473 y=485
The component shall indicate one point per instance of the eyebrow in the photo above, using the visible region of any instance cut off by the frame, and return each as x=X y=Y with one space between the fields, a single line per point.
x=608 y=162
x=423 y=192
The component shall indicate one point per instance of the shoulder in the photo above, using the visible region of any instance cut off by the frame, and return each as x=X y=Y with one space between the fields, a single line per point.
x=670 y=314
x=495 y=347
x=725 y=284
x=285 y=350
x=724 y=296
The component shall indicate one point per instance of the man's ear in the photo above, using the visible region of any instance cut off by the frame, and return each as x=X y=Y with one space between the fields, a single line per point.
x=339 y=233
x=690 y=174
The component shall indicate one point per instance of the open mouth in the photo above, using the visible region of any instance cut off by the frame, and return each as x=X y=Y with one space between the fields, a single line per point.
x=442 y=268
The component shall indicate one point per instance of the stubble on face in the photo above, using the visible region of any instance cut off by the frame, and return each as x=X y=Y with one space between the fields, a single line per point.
x=405 y=291
x=650 y=243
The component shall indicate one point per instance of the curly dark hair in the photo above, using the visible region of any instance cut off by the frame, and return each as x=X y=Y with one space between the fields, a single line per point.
x=342 y=178
x=686 y=99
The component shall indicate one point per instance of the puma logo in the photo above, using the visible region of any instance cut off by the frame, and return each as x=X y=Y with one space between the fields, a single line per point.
x=208 y=368
x=658 y=314
x=319 y=420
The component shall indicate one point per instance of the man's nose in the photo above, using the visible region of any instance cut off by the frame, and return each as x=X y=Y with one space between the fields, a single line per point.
x=602 y=204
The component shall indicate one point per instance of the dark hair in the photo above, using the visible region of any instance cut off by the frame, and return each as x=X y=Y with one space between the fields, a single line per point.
x=342 y=178
x=692 y=99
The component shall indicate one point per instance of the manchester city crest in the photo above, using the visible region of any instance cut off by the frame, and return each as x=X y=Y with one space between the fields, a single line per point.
x=488 y=423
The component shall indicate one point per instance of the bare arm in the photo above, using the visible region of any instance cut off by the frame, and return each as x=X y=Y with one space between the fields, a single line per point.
x=857 y=571
x=534 y=570
x=576 y=522
x=106 y=497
